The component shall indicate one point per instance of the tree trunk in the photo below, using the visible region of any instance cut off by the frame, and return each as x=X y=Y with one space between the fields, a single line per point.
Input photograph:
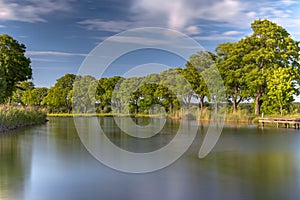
x=234 y=105
x=201 y=103
x=171 y=108
x=9 y=101
x=69 y=110
x=102 y=108
x=119 y=105
x=136 y=109
x=257 y=104
x=216 y=108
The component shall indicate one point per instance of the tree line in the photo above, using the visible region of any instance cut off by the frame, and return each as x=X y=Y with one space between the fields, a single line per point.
x=262 y=68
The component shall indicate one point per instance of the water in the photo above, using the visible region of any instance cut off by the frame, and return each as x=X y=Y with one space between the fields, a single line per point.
x=49 y=162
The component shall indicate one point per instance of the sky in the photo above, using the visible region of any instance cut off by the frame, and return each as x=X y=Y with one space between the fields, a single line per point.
x=59 y=34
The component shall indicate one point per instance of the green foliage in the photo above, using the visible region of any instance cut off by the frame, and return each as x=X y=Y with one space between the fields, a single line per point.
x=176 y=82
x=269 y=47
x=84 y=94
x=34 y=97
x=59 y=97
x=104 y=91
x=194 y=67
x=254 y=67
x=280 y=90
x=3 y=85
x=22 y=87
x=14 y=66
x=232 y=70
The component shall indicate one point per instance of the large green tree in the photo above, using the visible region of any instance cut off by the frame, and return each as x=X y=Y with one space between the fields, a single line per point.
x=59 y=97
x=280 y=90
x=122 y=94
x=232 y=69
x=105 y=88
x=84 y=94
x=14 y=66
x=198 y=63
x=176 y=82
x=268 y=48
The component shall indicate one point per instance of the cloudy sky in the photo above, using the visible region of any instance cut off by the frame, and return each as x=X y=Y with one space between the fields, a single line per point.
x=60 y=33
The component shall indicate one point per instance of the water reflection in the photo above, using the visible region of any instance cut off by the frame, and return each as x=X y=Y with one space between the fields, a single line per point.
x=49 y=162
x=15 y=159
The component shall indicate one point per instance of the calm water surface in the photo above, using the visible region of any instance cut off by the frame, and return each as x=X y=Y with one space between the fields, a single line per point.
x=49 y=162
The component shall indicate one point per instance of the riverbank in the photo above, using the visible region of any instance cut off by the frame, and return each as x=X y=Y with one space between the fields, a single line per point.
x=241 y=116
x=17 y=117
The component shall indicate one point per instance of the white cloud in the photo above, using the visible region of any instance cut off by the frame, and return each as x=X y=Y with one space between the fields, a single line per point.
x=111 y=26
x=188 y=15
x=288 y=2
x=31 y=10
x=216 y=37
x=193 y=30
x=45 y=60
x=231 y=33
x=53 y=53
x=181 y=14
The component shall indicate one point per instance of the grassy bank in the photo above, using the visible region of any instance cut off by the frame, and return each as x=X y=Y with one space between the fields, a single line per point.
x=97 y=115
x=242 y=116
x=16 y=117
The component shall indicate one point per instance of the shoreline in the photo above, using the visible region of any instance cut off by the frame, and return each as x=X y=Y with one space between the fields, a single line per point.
x=7 y=128
x=241 y=121
x=16 y=117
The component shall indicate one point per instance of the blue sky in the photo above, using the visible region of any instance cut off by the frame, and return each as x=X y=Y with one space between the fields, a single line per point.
x=60 y=33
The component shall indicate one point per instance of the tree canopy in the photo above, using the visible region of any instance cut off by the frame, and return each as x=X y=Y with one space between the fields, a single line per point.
x=14 y=66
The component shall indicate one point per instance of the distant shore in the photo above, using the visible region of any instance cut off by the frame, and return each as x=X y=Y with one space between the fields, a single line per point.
x=205 y=116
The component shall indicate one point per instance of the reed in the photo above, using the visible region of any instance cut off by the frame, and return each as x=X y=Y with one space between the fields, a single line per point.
x=12 y=117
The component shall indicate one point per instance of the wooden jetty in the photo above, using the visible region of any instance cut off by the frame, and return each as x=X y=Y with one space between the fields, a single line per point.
x=287 y=122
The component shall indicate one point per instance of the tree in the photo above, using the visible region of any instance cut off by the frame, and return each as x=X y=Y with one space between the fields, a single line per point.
x=14 y=66
x=37 y=95
x=84 y=94
x=268 y=48
x=166 y=97
x=280 y=90
x=145 y=97
x=122 y=94
x=2 y=85
x=21 y=88
x=198 y=63
x=217 y=91
x=174 y=80
x=59 y=96
x=105 y=88
x=232 y=70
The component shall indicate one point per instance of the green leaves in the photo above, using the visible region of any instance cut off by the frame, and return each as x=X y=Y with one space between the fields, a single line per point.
x=248 y=64
x=280 y=90
x=58 y=98
x=14 y=66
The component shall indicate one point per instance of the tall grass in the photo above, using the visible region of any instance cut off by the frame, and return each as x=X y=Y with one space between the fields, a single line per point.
x=205 y=114
x=14 y=117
